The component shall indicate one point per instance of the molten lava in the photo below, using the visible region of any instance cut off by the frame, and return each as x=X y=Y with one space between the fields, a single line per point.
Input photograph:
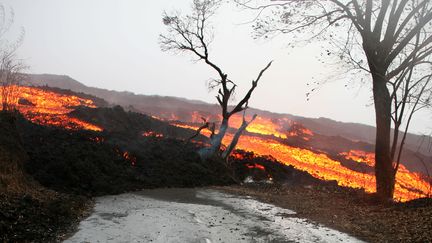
x=152 y=134
x=409 y=185
x=129 y=158
x=280 y=128
x=255 y=166
x=50 y=108
x=264 y=137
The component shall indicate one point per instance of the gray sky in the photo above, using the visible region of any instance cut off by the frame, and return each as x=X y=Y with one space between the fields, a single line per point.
x=113 y=44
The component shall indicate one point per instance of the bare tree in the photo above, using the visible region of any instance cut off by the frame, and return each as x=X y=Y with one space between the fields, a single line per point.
x=389 y=39
x=192 y=34
x=236 y=137
x=11 y=68
x=10 y=77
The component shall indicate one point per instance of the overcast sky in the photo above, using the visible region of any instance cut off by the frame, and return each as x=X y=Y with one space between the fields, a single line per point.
x=113 y=44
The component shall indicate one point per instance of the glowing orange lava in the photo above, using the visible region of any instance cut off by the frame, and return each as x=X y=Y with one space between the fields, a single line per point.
x=409 y=185
x=129 y=158
x=261 y=125
x=50 y=108
x=255 y=166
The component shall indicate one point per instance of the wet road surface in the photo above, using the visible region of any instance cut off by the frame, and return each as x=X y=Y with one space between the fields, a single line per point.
x=196 y=215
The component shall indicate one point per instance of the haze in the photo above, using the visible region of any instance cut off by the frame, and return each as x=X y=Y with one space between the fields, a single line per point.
x=113 y=44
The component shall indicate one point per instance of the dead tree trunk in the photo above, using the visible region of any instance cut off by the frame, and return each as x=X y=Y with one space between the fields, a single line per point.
x=190 y=34
x=384 y=171
x=234 y=141
x=215 y=142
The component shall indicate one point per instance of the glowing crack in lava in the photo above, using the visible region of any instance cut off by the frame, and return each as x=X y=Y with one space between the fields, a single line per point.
x=152 y=134
x=255 y=166
x=49 y=108
x=261 y=125
x=409 y=185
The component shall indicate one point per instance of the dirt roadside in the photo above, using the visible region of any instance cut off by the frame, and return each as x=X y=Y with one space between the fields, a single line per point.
x=51 y=217
x=349 y=211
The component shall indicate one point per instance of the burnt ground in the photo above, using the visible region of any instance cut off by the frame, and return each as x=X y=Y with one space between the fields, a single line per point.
x=74 y=166
x=49 y=175
x=29 y=212
x=349 y=211
x=46 y=217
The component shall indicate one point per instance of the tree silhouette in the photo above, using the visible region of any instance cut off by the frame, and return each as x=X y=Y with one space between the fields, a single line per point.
x=390 y=39
x=192 y=34
x=11 y=67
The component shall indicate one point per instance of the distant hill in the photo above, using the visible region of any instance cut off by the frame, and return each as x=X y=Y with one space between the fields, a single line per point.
x=154 y=104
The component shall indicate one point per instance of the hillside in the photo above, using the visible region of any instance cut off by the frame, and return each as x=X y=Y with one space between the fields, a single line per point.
x=417 y=155
x=165 y=107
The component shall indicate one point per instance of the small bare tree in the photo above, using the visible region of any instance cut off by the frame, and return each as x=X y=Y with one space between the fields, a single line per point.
x=192 y=34
x=11 y=68
x=10 y=77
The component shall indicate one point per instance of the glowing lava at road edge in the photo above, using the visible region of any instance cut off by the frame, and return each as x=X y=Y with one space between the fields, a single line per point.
x=409 y=185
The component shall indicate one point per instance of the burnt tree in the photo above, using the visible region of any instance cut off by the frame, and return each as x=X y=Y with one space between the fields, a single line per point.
x=389 y=39
x=192 y=34
x=10 y=77
x=11 y=68
x=236 y=137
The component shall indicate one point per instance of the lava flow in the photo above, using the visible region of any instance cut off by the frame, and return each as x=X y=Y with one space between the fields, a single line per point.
x=264 y=136
x=50 y=108
x=409 y=185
